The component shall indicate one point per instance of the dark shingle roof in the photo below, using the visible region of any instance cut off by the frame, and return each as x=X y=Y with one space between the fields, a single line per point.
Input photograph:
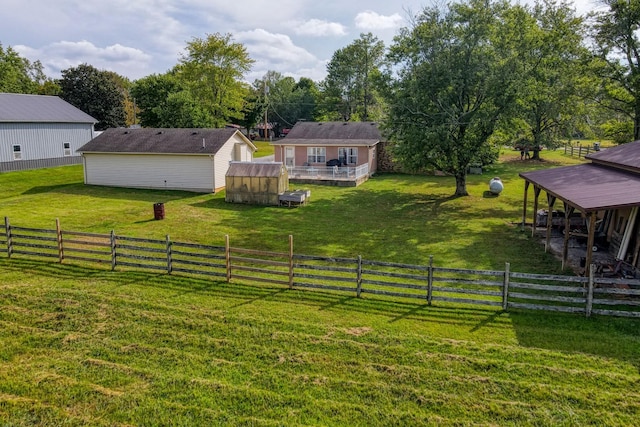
x=159 y=141
x=333 y=133
x=16 y=107
x=625 y=156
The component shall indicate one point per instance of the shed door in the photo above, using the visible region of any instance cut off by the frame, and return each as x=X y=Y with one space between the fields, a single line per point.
x=289 y=156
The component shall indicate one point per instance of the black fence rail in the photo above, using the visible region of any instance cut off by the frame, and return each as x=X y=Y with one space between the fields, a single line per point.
x=499 y=288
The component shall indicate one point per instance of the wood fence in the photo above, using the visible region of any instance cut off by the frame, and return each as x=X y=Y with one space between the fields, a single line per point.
x=504 y=289
x=578 y=150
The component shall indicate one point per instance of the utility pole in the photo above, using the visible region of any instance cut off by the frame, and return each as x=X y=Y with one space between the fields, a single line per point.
x=266 y=107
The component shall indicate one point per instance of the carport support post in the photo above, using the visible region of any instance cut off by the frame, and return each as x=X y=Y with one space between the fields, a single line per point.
x=536 y=192
x=590 y=241
x=524 y=204
x=568 y=211
x=551 y=200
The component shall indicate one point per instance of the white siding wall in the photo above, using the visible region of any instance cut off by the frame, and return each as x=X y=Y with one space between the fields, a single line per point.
x=171 y=172
x=226 y=155
x=42 y=140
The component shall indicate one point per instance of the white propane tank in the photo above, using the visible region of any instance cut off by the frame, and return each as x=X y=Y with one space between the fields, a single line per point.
x=495 y=186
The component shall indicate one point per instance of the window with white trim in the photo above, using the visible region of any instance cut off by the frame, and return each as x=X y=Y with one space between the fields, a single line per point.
x=17 y=152
x=316 y=155
x=67 y=148
x=348 y=155
x=289 y=156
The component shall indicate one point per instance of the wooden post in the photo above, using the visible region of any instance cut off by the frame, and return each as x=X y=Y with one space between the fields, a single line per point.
x=590 y=240
x=227 y=256
x=59 y=240
x=430 y=280
x=580 y=151
x=113 y=250
x=359 y=277
x=505 y=286
x=536 y=194
x=290 y=261
x=589 y=306
x=524 y=205
x=7 y=228
x=551 y=200
x=568 y=211
x=169 y=256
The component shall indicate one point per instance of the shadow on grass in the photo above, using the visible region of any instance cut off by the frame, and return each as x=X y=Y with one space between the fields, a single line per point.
x=601 y=336
x=80 y=189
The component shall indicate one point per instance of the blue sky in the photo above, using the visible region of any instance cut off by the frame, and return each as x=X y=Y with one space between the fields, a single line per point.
x=136 y=38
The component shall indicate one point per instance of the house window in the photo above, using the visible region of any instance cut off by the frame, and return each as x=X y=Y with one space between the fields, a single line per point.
x=17 y=152
x=316 y=155
x=289 y=156
x=67 y=148
x=348 y=155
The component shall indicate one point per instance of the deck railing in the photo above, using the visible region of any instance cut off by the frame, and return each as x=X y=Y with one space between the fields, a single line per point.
x=338 y=173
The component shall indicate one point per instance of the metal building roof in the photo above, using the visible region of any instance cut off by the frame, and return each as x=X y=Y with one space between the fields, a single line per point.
x=589 y=187
x=161 y=141
x=624 y=156
x=23 y=108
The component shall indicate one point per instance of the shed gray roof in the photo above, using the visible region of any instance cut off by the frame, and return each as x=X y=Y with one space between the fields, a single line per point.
x=23 y=108
x=333 y=133
x=161 y=141
x=624 y=156
x=589 y=187
x=255 y=169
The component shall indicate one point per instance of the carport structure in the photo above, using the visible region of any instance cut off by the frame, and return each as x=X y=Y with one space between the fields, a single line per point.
x=611 y=182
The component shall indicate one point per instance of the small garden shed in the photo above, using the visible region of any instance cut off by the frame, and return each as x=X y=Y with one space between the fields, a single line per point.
x=259 y=183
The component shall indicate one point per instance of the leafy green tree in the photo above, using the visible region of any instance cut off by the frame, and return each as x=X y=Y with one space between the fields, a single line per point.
x=548 y=39
x=349 y=90
x=457 y=76
x=618 y=47
x=18 y=74
x=212 y=71
x=96 y=93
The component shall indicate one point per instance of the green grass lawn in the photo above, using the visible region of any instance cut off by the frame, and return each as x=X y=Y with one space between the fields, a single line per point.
x=87 y=346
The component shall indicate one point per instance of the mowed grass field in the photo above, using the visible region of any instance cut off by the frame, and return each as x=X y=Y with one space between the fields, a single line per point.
x=81 y=345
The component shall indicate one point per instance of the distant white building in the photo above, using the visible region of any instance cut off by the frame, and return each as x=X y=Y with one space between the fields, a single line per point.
x=167 y=159
x=39 y=131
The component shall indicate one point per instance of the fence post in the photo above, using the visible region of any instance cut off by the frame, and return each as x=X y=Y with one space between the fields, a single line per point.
x=430 y=280
x=7 y=228
x=505 y=286
x=59 y=240
x=113 y=250
x=290 y=261
x=227 y=257
x=359 y=277
x=169 y=256
x=580 y=151
x=589 y=306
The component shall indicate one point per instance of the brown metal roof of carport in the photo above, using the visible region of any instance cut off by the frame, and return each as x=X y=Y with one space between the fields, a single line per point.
x=588 y=188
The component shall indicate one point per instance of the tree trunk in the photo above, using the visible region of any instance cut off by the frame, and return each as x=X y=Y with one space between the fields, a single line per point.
x=461 y=184
x=636 y=121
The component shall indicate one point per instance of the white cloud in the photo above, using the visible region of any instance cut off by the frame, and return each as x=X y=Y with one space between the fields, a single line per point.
x=319 y=28
x=277 y=52
x=58 y=56
x=370 y=20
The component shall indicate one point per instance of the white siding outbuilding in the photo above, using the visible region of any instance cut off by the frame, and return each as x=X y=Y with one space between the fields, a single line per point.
x=40 y=131
x=168 y=159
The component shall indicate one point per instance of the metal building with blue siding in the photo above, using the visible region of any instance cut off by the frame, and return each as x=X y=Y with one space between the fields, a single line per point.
x=39 y=131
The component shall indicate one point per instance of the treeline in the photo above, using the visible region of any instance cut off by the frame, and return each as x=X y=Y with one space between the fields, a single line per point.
x=459 y=81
